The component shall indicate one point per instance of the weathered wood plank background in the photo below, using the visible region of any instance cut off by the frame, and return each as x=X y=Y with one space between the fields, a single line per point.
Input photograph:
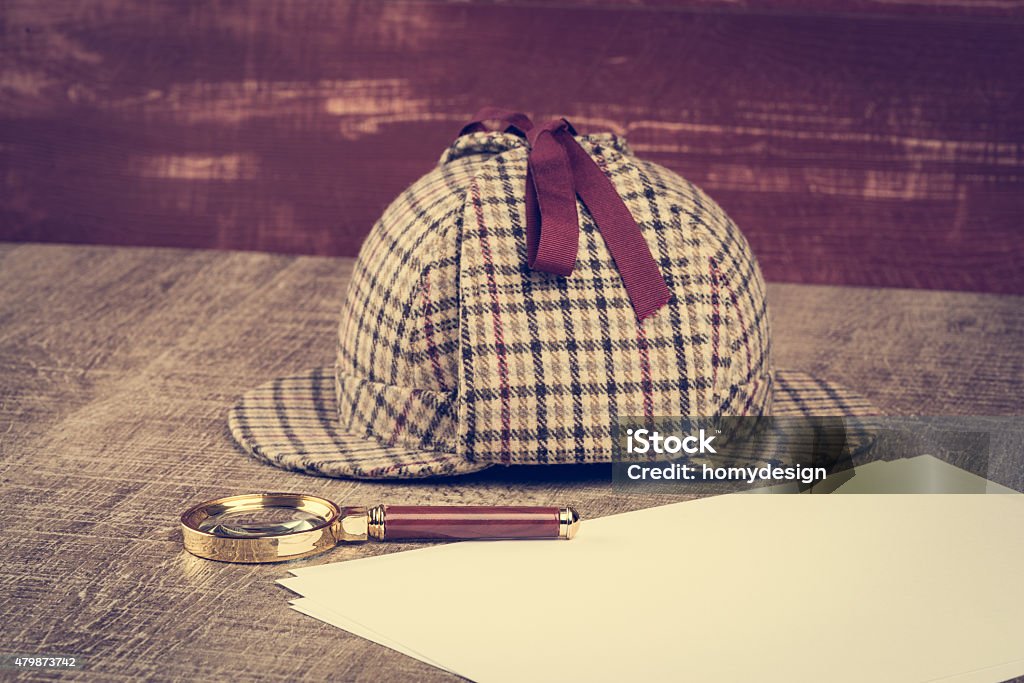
x=869 y=143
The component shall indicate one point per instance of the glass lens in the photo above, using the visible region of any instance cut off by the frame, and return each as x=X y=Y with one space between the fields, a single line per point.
x=263 y=521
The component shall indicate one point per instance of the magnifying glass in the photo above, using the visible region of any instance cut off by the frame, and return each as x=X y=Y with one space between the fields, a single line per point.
x=275 y=527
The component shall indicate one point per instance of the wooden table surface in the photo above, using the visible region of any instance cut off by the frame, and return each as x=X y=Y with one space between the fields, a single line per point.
x=117 y=366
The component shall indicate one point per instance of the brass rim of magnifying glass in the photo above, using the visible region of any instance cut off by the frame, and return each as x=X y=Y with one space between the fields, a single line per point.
x=275 y=548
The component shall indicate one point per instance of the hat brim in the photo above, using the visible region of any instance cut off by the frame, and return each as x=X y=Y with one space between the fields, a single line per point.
x=291 y=423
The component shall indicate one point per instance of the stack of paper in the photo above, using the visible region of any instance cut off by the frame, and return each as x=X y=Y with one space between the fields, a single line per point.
x=736 y=587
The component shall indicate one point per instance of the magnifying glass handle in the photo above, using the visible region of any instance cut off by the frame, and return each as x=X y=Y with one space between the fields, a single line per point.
x=450 y=523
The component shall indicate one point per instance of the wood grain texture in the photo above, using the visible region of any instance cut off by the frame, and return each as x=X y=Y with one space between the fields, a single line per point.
x=117 y=367
x=867 y=143
x=925 y=9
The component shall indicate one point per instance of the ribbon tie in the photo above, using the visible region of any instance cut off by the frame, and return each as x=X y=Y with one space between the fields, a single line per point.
x=558 y=171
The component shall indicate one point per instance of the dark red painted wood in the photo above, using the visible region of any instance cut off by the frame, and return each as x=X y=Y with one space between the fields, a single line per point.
x=1009 y=9
x=863 y=143
x=427 y=522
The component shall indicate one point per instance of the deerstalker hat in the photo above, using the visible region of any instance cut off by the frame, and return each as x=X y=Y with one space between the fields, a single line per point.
x=516 y=302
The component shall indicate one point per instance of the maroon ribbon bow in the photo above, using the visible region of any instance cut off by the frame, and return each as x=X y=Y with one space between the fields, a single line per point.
x=558 y=171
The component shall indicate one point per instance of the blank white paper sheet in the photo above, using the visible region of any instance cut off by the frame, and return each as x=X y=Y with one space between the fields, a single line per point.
x=729 y=588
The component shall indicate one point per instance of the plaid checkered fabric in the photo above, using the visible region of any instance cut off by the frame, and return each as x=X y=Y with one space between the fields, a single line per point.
x=453 y=355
